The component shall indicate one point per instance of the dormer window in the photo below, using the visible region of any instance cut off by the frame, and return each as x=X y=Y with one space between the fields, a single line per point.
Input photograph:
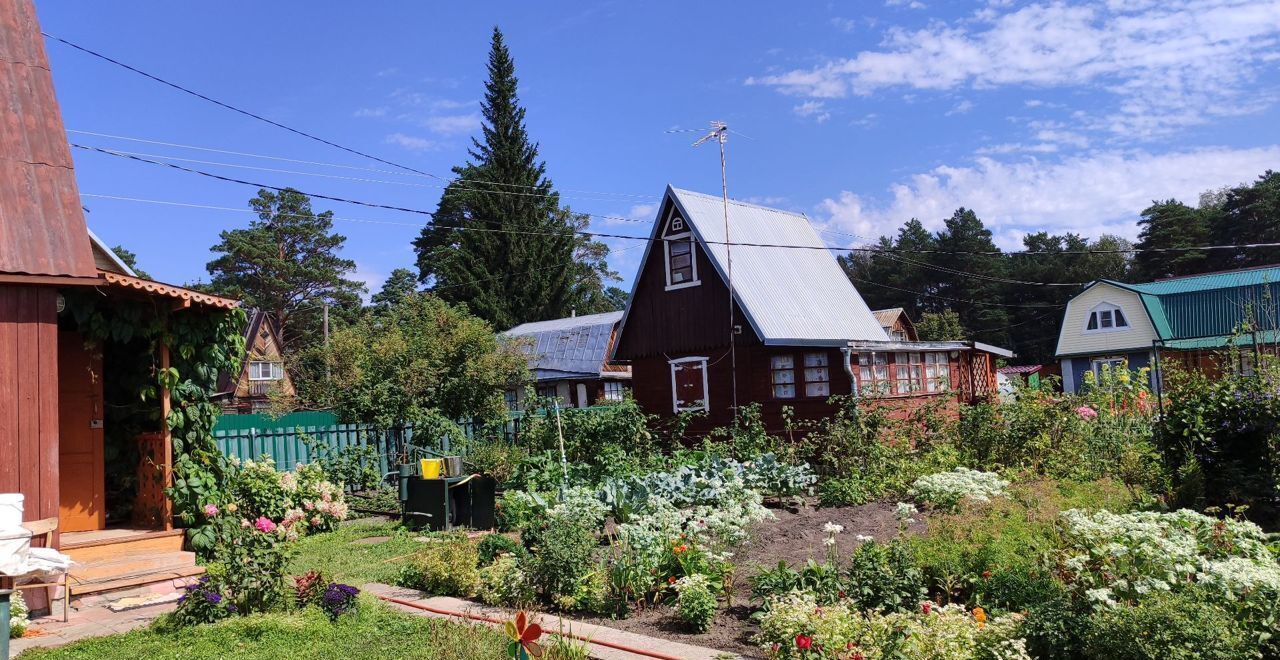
x=1106 y=317
x=682 y=264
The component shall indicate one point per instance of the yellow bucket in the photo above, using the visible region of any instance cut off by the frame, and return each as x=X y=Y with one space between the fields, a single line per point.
x=432 y=467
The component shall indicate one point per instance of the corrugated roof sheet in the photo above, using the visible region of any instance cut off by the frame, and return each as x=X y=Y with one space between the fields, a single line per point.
x=1268 y=337
x=1210 y=281
x=42 y=229
x=790 y=296
x=565 y=348
x=1211 y=304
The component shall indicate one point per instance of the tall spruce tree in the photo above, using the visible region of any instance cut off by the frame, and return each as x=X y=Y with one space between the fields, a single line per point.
x=500 y=243
x=1248 y=213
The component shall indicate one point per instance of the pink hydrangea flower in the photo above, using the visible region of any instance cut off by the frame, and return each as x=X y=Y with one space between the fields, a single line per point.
x=265 y=525
x=1085 y=412
x=210 y=510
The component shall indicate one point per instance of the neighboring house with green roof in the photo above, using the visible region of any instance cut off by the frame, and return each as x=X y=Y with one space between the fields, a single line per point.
x=1188 y=319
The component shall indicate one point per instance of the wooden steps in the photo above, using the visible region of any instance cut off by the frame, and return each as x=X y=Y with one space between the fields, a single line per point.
x=109 y=560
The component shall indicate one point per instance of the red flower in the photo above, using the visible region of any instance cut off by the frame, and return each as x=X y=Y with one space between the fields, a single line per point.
x=986 y=574
x=841 y=594
x=926 y=607
x=671 y=579
x=803 y=642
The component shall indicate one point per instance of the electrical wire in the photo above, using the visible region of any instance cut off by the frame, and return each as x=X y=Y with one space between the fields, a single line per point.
x=649 y=239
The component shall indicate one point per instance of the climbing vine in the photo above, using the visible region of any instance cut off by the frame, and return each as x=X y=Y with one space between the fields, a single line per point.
x=202 y=344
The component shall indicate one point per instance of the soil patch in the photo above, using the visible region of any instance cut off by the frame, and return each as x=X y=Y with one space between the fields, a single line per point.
x=794 y=536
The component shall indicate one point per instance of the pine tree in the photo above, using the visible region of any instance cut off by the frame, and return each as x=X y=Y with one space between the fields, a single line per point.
x=968 y=278
x=287 y=264
x=499 y=242
x=398 y=286
x=1171 y=224
x=1249 y=213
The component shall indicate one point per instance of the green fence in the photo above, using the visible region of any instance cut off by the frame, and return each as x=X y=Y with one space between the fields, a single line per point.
x=302 y=437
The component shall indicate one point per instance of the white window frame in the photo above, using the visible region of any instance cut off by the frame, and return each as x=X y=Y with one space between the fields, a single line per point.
x=678 y=364
x=775 y=369
x=819 y=361
x=1116 y=363
x=277 y=371
x=619 y=390
x=1096 y=312
x=686 y=235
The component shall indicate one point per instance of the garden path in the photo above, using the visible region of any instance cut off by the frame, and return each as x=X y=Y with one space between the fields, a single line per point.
x=551 y=623
x=88 y=621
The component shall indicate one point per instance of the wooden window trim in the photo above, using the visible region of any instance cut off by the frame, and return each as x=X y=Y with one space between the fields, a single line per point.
x=693 y=260
x=795 y=382
x=804 y=371
x=675 y=392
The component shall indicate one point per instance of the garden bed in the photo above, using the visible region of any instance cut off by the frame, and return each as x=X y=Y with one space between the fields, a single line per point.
x=795 y=535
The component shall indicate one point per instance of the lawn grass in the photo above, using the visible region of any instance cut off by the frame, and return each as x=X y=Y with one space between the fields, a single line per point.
x=373 y=630
x=337 y=555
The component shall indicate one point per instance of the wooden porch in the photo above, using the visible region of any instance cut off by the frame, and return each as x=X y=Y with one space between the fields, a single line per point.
x=122 y=558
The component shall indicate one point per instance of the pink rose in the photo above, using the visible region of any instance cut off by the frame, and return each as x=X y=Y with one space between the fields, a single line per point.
x=265 y=525
x=210 y=510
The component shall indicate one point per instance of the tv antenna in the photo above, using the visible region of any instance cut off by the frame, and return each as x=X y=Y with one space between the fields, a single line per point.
x=720 y=133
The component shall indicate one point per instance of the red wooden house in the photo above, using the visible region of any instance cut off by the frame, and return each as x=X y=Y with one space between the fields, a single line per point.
x=797 y=332
x=51 y=383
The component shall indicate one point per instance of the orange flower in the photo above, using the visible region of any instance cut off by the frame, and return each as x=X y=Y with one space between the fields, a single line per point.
x=980 y=616
x=680 y=549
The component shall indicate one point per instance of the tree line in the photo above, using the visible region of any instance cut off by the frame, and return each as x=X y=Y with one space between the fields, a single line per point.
x=944 y=280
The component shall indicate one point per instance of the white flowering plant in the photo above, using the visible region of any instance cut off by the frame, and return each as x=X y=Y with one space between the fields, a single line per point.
x=1114 y=559
x=945 y=490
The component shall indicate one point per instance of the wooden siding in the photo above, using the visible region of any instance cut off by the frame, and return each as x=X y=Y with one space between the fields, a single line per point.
x=652 y=381
x=682 y=321
x=29 y=397
x=1074 y=340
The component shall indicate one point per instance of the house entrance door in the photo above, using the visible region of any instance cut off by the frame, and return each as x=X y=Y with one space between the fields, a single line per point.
x=80 y=440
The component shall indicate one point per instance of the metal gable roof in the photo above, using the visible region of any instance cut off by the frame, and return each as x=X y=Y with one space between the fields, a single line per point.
x=42 y=229
x=563 y=348
x=791 y=296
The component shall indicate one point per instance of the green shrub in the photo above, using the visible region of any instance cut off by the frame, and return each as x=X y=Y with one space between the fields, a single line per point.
x=518 y=509
x=1179 y=626
x=498 y=459
x=562 y=556
x=504 y=583
x=844 y=491
x=1009 y=534
x=447 y=565
x=492 y=545
x=695 y=602
x=884 y=577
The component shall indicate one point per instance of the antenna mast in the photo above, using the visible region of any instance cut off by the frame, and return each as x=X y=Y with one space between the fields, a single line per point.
x=720 y=133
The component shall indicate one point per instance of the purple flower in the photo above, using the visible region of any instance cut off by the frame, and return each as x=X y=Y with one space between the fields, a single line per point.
x=213 y=597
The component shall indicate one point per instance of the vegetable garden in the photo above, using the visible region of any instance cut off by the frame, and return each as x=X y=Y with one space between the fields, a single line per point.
x=1045 y=526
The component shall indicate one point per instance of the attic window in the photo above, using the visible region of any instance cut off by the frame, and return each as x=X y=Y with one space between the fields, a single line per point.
x=1106 y=317
x=681 y=262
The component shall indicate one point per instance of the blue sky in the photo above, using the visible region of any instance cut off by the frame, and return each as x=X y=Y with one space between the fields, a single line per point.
x=1062 y=116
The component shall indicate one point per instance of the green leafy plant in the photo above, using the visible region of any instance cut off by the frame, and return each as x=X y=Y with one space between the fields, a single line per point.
x=562 y=557
x=884 y=577
x=491 y=546
x=1178 y=626
x=446 y=565
x=505 y=583
x=695 y=602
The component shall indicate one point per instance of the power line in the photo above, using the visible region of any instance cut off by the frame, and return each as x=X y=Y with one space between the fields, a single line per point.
x=375 y=170
x=650 y=239
x=990 y=278
x=232 y=107
x=957 y=300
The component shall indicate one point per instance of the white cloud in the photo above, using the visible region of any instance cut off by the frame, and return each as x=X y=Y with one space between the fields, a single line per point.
x=1033 y=103
x=1164 y=65
x=963 y=107
x=452 y=124
x=817 y=110
x=909 y=4
x=844 y=24
x=411 y=142
x=1092 y=194
x=370 y=113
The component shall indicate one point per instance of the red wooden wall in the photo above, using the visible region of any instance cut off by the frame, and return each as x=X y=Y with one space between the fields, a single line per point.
x=29 y=397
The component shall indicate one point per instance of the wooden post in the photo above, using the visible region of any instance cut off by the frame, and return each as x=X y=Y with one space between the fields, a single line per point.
x=166 y=505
